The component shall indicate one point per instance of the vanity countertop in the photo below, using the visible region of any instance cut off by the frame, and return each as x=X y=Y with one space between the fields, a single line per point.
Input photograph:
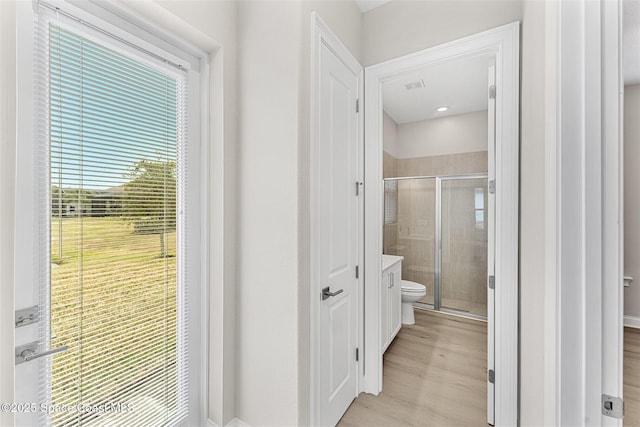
x=389 y=260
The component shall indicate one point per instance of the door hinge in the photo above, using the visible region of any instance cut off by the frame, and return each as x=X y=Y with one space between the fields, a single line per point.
x=492 y=376
x=357 y=354
x=357 y=105
x=359 y=185
x=27 y=316
x=492 y=187
x=612 y=406
x=357 y=271
x=492 y=92
x=492 y=282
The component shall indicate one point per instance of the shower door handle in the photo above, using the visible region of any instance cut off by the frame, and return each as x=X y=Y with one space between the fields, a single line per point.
x=326 y=293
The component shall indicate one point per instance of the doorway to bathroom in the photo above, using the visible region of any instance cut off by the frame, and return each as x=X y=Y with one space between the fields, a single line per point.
x=474 y=166
x=438 y=159
x=440 y=226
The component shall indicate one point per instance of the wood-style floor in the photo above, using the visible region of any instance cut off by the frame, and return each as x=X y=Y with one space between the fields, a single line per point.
x=434 y=375
x=631 y=391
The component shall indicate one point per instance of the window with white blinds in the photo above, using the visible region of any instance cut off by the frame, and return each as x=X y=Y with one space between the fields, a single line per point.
x=113 y=127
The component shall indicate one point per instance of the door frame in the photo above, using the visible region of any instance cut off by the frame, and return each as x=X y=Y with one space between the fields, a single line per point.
x=584 y=213
x=321 y=34
x=504 y=43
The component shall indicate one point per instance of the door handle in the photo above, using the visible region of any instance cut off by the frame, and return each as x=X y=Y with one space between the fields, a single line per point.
x=28 y=352
x=326 y=293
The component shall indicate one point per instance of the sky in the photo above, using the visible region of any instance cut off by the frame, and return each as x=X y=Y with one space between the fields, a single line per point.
x=107 y=112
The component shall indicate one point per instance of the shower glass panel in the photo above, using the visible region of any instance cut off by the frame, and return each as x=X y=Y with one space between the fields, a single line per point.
x=409 y=229
x=422 y=214
x=464 y=245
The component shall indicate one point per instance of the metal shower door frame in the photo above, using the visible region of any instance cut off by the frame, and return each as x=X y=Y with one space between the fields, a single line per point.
x=437 y=299
x=437 y=280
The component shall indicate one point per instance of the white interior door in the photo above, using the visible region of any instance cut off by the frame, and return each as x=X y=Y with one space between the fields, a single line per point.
x=338 y=227
x=491 y=238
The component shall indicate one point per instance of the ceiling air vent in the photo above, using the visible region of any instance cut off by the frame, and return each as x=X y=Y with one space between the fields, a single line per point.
x=415 y=85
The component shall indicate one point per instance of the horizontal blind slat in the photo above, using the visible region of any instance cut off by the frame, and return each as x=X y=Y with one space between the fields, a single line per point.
x=115 y=127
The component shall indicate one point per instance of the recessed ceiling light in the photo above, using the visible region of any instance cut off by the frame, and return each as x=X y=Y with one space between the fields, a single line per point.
x=442 y=109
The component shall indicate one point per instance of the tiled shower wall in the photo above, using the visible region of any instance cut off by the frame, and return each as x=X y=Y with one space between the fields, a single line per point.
x=410 y=232
x=450 y=164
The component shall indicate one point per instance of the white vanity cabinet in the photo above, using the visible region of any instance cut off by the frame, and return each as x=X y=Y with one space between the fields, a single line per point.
x=390 y=299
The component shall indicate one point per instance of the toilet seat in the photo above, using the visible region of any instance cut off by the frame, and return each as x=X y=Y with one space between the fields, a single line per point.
x=409 y=287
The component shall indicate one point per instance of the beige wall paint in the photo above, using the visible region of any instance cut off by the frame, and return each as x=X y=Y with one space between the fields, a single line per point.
x=274 y=67
x=632 y=199
x=462 y=133
x=444 y=146
x=389 y=165
x=390 y=146
x=389 y=135
x=448 y=164
x=269 y=37
x=404 y=26
x=532 y=208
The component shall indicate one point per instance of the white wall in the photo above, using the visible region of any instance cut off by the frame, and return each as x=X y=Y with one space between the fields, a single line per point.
x=532 y=220
x=632 y=199
x=273 y=259
x=389 y=135
x=267 y=347
x=405 y=26
x=462 y=133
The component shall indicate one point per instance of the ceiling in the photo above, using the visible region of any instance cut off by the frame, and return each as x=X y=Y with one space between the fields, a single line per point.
x=367 y=5
x=462 y=86
x=631 y=42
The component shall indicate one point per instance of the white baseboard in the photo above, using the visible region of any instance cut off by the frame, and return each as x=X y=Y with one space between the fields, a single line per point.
x=233 y=423
x=632 y=321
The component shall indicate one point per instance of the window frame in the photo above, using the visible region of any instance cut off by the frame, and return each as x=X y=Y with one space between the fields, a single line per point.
x=111 y=18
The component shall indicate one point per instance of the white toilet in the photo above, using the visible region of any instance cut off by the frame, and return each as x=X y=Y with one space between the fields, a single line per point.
x=411 y=292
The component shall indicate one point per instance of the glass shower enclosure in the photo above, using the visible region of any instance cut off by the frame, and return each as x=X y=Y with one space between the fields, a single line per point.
x=439 y=225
